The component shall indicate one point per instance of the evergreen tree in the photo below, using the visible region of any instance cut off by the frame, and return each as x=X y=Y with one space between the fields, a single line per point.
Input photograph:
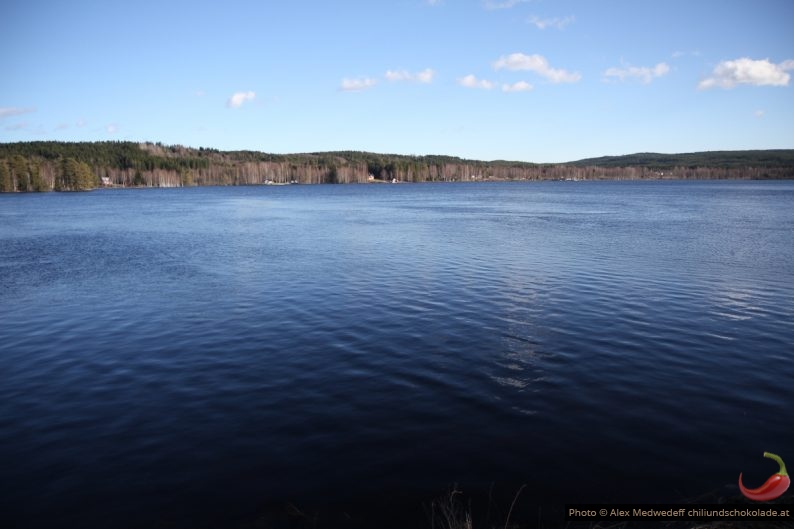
x=85 y=177
x=186 y=178
x=68 y=177
x=138 y=180
x=19 y=168
x=36 y=182
x=6 y=181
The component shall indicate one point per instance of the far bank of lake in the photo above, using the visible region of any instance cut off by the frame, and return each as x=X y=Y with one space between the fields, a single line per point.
x=64 y=166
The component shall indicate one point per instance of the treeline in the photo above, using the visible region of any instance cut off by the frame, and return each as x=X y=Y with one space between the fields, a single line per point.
x=64 y=166
x=723 y=159
x=24 y=174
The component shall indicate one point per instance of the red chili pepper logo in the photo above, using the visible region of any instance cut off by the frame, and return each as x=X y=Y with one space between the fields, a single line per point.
x=774 y=487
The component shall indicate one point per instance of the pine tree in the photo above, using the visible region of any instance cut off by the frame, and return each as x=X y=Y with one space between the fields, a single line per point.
x=186 y=178
x=6 y=182
x=36 y=182
x=68 y=177
x=19 y=168
x=85 y=178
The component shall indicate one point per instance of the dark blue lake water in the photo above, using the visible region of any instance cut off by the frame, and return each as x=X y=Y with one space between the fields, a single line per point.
x=173 y=357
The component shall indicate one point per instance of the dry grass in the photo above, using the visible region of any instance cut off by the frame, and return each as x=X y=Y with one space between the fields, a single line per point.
x=449 y=513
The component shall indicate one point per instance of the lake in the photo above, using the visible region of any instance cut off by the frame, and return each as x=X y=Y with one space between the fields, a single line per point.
x=180 y=357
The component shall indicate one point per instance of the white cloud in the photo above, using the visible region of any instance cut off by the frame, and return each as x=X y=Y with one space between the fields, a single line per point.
x=642 y=73
x=356 y=85
x=537 y=64
x=199 y=93
x=504 y=4
x=6 y=112
x=543 y=23
x=520 y=86
x=425 y=76
x=759 y=113
x=238 y=98
x=435 y=2
x=401 y=75
x=728 y=74
x=81 y=123
x=112 y=128
x=470 y=81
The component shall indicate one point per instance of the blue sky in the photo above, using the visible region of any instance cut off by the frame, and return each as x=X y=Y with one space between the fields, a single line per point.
x=532 y=80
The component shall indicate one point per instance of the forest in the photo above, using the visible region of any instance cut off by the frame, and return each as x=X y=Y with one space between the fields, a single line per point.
x=80 y=166
x=738 y=159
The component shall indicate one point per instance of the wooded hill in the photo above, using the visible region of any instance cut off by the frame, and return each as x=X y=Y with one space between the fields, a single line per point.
x=740 y=159
x=65 y=166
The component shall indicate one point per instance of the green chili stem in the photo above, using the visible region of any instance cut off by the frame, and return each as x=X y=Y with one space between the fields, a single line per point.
x=780 y=462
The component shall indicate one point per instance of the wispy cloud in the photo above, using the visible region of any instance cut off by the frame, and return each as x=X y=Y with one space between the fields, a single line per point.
x=679 y=54
x=470 y=81
x=759 y=113
x=18 y=126
x=503 y=4
x=556 y=23
x=357 y=85
x=238 y=98
x=520 y=86
x=537 y=64
x=199 y=93
x=642 y=73
x=62 y=126
x=112 y=128
x=7 y=112
x=81 y=123
x=401 y=75
x=425 y=76
x=434 y=2
x=729 y=74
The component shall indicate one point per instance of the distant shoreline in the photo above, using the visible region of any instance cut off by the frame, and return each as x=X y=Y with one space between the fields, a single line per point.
x=382 y=182
x=464 y=182
x=65 y=166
